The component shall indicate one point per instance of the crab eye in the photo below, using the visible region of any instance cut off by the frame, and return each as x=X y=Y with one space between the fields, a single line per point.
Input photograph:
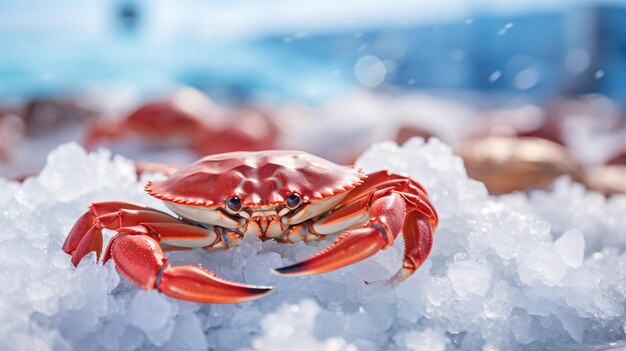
x=234 y=203
x=293 y=201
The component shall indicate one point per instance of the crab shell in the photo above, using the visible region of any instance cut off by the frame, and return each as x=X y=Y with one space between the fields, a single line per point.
x=261 y=180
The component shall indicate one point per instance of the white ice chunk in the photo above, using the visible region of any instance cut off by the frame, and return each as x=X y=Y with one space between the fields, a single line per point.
x=523 y=328
x=149 y=310
x=187 y=335
x=292 y=325
x=426 y=340
x=500 y=305
x=469 y=277
x=571 y=247
x=571 y=322
x=544 y=264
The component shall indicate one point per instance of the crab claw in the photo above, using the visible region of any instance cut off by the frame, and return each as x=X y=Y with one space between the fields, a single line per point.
x=196 y=284
x=389 y=217
x=78 y=232
x=350 y=247
x=386 y=213
x=84 y=238
x=91 y=241
x=86 y=235
x=141 y=260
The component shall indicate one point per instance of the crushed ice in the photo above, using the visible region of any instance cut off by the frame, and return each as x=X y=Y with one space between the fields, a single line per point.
x=520 y=271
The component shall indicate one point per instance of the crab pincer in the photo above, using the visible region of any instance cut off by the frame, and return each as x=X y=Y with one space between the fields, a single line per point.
x=390 y=214
x=148 y=268
x=137 y=254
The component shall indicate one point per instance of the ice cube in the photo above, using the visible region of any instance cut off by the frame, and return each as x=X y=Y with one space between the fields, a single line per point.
x=571 y=247
x=469 y=277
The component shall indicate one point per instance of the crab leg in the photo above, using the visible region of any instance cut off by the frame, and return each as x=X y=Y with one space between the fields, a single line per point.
x=386 y=212
x=383 y=179
x=418 y=241
x=415 y=194
x=87 y=220
x=86 y=235
x=390 y=213
x=138 y=256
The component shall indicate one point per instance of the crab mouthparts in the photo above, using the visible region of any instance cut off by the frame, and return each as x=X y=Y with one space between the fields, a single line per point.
x=264 y=223
x=263 y=219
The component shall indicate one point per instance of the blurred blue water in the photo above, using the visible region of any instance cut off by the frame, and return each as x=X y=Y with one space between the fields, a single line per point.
x=136 y=44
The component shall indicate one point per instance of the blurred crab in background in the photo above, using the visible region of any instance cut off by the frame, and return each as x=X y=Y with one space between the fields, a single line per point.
x=47 y=116
x=523 y=121
x=11 y=132
x=287 y=196
x=530 y=146
x=39 y=118
x=29 y=129
x=514 y=164
x=186 y=119
x=609 y=178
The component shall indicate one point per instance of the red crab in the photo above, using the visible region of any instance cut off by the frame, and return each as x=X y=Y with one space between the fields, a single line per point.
x=188 y=119
x=287 y=196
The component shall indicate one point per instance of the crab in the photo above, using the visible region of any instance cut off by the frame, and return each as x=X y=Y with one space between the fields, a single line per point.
x=287 y=196
x=186 y=119
x=508 y=164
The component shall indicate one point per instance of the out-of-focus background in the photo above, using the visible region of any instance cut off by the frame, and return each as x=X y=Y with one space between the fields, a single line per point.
x=531 y=94
x=312 y=51
x=164 y=81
